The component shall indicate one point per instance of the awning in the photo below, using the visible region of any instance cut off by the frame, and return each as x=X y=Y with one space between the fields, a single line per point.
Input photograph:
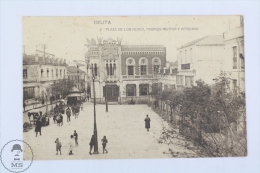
x=74 y=95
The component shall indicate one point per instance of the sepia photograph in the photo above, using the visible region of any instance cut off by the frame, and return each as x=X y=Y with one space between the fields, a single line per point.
x=133 y=87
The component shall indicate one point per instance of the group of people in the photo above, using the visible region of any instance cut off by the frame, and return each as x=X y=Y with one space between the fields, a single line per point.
x=72 y=143
x=74 y=110
x=92 y=143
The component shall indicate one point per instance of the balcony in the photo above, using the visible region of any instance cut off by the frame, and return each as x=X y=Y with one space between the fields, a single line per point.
x=111 y=78
x=185 y=66
x=130 y=77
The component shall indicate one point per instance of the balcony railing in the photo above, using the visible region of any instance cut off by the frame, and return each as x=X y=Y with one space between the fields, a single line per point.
x=138 y=76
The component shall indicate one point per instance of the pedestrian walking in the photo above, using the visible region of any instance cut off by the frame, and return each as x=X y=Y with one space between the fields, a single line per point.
x=76 y=111
x=92 y=143
x=38 y=127
x=76 y=137
x=73 y=111
x=68 y=113
x=61 y=119
x=88 y=97
x=24 y=105
x=29 y=116
x=58 y=119
x=81 y=106
x=54 y=118
x=104 y=144
x=71 y=145
x=147 y=122
x=40 y=113
x=58 y=146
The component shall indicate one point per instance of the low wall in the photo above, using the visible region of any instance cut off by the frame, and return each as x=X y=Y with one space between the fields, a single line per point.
x=126 y=100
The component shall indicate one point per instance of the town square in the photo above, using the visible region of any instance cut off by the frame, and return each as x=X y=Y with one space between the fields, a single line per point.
x=155 y=92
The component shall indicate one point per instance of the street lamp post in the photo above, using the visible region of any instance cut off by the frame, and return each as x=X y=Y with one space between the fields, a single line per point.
x=106 y=98
x=95 y=124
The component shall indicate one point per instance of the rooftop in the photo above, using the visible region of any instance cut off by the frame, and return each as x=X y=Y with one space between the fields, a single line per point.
x=208 y=40
x=73 y=69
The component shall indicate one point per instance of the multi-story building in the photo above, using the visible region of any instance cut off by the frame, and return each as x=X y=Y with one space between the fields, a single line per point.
x=123 y=72
x=39 y=73
x=234 y=65
x=78 y=76
x=200 y=59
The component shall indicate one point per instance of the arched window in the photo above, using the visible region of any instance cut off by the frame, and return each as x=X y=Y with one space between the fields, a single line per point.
x=156 y=64
x=111 y=70
x=143 y=62
x=95 y=69
x=107 y=68
x=114 y=68
x=130 y=63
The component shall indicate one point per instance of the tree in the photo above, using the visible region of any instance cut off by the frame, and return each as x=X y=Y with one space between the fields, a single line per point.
x=63 y=86
x=175 y=98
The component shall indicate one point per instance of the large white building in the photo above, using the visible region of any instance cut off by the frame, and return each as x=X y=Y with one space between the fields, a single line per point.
x=234 y=65
x=38 y=75
x=200 y=59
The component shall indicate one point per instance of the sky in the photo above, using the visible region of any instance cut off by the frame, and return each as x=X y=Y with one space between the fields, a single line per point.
x=66 y=37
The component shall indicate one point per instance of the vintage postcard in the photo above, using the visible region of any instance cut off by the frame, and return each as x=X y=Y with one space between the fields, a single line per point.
x=133 y=87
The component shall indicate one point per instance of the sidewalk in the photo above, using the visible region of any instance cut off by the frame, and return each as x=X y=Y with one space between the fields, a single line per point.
x=38 y=105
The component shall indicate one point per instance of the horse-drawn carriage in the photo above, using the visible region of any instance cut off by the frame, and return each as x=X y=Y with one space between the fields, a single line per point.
x=60 y=107
x=34 y=116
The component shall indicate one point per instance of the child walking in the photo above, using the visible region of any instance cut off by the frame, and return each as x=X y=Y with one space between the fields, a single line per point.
x=104 y=143
x=58 y=146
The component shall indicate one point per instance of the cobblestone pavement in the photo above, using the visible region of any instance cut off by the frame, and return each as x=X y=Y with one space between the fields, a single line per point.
x=123 y=125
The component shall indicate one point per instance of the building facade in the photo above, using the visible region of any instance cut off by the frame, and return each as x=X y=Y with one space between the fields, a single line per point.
x=200 y=59
x=38 y=75
x=234 y=65
x=124 y=72
x=78 y=76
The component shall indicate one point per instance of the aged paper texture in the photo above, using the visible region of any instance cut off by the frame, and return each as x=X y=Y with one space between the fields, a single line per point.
x=134 y=87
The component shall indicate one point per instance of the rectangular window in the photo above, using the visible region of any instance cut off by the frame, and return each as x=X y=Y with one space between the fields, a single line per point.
x=130 y=90
x=156 y=69
x=165 y=87
x=143 y=69
x=24 y=73
x=189 y=81
x=64 y=73
x=57 y=73
x=234 y=57
x=28 y=93
x=60 y=73
x=172 y=87
x=41 y=72
x=242 y=61
x=185 y=56
x=47 y=72
x=191 y=56
x=51 y=72
x=130 y=70
x=156 y=88
x=144 y=89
